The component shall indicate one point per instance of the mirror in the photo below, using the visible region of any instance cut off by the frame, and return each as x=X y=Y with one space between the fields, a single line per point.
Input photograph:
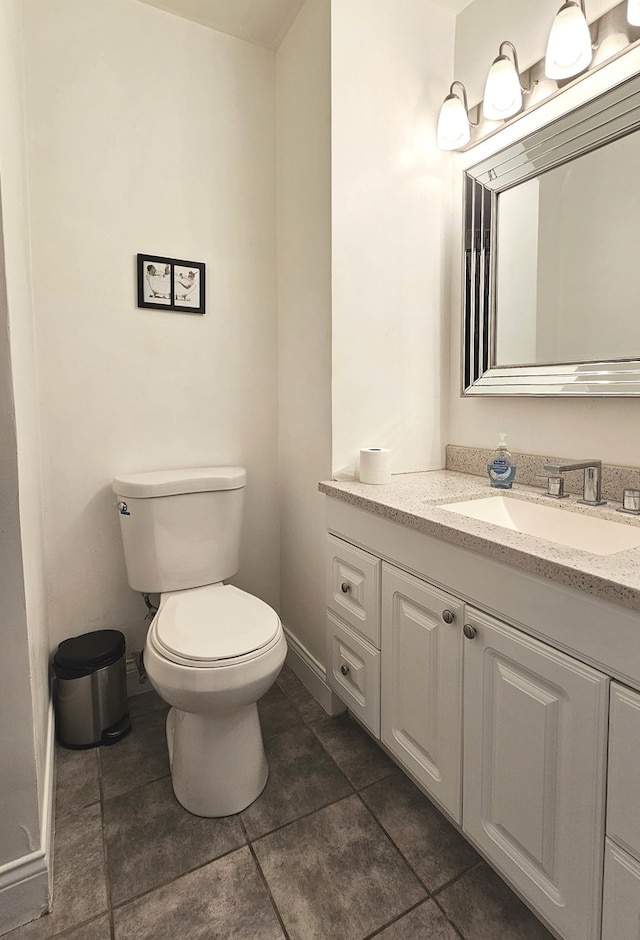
x=552 y=243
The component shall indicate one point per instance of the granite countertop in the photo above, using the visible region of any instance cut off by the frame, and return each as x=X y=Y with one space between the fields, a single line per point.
x=414 y=499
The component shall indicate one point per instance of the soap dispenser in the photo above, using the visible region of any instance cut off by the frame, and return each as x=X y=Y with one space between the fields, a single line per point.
x=501 y=468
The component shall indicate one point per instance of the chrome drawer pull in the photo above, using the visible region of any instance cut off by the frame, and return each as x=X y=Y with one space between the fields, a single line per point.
x=344 y=670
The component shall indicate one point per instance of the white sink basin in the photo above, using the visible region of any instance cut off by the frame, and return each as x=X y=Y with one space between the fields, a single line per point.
x=573 y=529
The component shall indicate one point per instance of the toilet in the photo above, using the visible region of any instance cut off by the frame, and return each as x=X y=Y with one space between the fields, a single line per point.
x=212 y=650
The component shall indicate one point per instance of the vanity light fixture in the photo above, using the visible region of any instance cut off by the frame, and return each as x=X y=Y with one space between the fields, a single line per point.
x=633 y=12
x=569 y=47
x=502 y=91
x=454 y=126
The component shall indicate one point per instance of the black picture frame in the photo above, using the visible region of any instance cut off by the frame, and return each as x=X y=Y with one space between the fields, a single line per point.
x=171 y=284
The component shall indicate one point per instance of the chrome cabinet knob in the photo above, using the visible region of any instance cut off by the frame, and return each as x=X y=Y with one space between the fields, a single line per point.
x=448 y=616
x=345 y=587
x=469 y=631
x=344 y=670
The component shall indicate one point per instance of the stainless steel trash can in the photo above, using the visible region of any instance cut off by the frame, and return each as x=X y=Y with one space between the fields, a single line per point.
x=91 y=690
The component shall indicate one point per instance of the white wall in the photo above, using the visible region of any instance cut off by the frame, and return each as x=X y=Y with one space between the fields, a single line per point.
x=148 y=133
x=304 y=302
x=567 y=427
x=24 y=661
x=390 y=219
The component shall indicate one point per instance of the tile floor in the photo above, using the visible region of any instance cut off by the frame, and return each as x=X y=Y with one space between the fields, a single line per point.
x=340 y=846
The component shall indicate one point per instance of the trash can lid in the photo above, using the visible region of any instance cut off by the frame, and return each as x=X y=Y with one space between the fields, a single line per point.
x=90 y=650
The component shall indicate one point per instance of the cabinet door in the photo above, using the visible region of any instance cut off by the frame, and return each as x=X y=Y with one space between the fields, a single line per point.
x=621 y=905
x=535 y=726
x=421 y=683
x=354 y=672
x=623 y=793
x=353 y=587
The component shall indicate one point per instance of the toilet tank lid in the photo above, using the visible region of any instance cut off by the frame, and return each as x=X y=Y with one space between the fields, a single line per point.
x=174 y=482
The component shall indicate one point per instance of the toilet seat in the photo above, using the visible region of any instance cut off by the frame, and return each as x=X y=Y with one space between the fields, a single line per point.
x=212 y=626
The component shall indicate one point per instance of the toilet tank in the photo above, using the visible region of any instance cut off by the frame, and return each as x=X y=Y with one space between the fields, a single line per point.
x=180 y=528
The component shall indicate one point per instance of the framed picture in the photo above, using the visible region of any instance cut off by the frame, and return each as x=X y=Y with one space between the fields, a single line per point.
x=170 y=284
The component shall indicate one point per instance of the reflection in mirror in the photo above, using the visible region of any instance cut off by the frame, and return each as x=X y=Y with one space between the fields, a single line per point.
x=552 y=250
x=568 y=243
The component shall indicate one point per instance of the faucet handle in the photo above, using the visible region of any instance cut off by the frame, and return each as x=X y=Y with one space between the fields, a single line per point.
x=555 y=487
x=631 y=502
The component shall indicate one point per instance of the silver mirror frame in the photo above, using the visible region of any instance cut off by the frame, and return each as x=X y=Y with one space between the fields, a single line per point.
x=608 y=117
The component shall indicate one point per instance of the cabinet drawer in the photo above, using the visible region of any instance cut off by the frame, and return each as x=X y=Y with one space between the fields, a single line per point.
x=621 y=903
x=353 y=587
x=354 y=672
x=623 y=808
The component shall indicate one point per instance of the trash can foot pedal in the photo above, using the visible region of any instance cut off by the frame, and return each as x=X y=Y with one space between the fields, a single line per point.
x=117 y=731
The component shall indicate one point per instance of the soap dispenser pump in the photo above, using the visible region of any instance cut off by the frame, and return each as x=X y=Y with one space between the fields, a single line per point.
x=501 y=468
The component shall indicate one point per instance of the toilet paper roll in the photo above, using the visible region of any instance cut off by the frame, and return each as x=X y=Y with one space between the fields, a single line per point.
x=375 y=465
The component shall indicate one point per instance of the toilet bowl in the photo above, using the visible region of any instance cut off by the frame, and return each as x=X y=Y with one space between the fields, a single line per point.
x=212 y=650
x=211 y=653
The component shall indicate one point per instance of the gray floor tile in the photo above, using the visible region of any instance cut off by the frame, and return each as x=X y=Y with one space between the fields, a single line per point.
x=225 y=900
x=310 y=709
x=44 y=929
x=428 y=841
x=357 y=755
x=334 y=875
x=79 y=885
x=40 y=929
x=76 y=780
x=482 y=907
x=426 y=922
x=302 y=778
x=151 y=839
x=137 y=759
x=145 y=702
x=277 y=713
x=97 y=930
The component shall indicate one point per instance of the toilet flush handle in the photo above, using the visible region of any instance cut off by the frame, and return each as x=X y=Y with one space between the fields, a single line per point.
x=122 y=508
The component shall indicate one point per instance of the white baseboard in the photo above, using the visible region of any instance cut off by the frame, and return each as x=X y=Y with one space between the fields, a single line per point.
x=25 y=883
x=312 y=675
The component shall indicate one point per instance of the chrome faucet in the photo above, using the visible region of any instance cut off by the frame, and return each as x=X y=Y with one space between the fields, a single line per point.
x=592 y=487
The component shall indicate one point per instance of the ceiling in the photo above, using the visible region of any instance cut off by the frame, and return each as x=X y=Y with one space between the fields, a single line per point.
x=263 y=22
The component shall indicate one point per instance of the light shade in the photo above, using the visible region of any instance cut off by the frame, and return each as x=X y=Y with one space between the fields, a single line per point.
x=569 y=48
x=454 y=130
x=502 y=91
x=633 y=12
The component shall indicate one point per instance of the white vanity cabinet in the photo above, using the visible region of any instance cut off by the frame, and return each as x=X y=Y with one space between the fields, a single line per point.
x=535 y=725
x=421 y=716
x=621 y=904
x=491 y=688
